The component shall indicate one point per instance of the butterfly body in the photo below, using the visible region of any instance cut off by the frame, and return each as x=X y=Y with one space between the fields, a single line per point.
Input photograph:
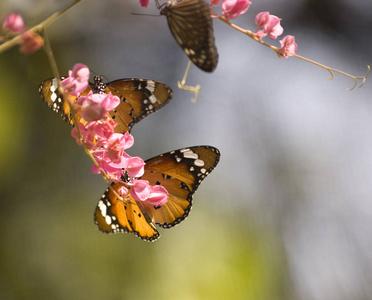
x=180 y=172
x=139 y=98
x=191 y=25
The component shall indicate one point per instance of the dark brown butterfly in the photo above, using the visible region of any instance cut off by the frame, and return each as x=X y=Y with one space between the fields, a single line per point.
x=191 y=24
x=180 y=172
x=139 y=97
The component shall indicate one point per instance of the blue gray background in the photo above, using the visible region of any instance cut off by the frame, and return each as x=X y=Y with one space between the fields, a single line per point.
x=285 y=215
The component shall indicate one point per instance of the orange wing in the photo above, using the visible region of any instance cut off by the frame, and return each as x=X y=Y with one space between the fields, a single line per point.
x=180 y=172
x=113 y=216
x=139 y=97
x=143 y=95
x=48 y=90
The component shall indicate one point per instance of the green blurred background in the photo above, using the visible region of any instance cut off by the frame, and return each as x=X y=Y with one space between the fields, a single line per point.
x=285 y=215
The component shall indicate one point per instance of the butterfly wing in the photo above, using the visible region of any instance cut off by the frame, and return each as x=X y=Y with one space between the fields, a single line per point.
x=139 y=97
x=113 y=216
x=191 y=24
x=48 y=90
x=180 y=172
x=142 y=95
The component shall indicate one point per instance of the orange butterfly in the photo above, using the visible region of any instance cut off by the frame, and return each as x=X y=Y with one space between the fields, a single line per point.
x=180 y=172
x=139 y=98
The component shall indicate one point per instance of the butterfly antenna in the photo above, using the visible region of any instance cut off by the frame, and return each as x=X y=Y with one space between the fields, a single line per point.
x=148 y=15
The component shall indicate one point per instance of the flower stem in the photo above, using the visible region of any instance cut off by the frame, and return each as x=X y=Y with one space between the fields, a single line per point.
x=55 y=71
x=276 y=49
x=37 y=28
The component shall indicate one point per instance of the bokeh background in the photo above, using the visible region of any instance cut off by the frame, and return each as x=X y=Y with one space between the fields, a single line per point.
x=287 y=214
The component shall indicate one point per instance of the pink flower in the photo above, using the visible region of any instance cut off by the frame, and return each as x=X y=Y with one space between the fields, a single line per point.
x=144 y=3
x=96 y=106
x=155 y=195
x=270 y=25
x=87 y=136
x=110 y=102
x=93 y=112
x=129 y=140
x=113 y=173
x=77 y=80
x=116 y=144
x=14 y=24
x=231 y=9
x=158 y=195
x=274 y=29
x=287 y=44
x=92 y=109
x=135 y=167
x=102 y=130
x=31 y=42
x=117 y=160
x=140 y=190
x=262 y=18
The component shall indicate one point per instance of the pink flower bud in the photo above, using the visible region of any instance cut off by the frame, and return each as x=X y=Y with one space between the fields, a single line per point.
x=288 y=44
x=123 y=191
x=215 y=2
x=31 y=42
x=144 y=3
x=13 y=23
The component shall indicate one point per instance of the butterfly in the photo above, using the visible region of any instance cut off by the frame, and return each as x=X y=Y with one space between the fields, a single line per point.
x=180 y=172
x=191 y=24
x=139 y=98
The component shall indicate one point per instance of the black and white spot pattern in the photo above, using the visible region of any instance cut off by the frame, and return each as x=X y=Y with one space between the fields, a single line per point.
x=195 y=164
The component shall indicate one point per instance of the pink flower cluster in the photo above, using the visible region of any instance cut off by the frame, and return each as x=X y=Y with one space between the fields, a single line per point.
x=13 y=24
x=108 y=148
x=267 y=24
